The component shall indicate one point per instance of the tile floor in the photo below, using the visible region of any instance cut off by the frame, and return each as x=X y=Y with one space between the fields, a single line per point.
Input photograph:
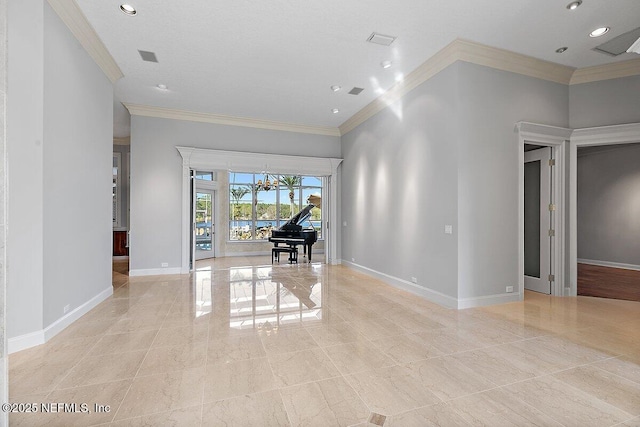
x=242 y=343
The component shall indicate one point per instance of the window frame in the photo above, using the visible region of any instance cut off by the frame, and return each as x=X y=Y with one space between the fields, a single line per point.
x=278 y=221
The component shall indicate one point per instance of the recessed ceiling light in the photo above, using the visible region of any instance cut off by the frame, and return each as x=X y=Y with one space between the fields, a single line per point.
x=128 y=9
x=599 y=32
x=562 y=49
x=335 y=111
x=574 y=5
x=162 y=87
x=335 y=88
x=386 y=64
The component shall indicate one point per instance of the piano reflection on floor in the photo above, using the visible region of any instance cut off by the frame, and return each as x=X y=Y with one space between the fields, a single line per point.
x=266 y=298
x=292 y=233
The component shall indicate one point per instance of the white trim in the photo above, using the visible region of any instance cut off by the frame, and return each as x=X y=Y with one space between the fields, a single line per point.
x=204 y=159
x=467 y=51
x=431 y=295
x=195 y=116
x=22 y=342
x=33 y=339
x=255 y=253
x=557 y=138
x=120 y=258
x=157 y=271
x=607 y=135
x=266 y=253
x=505 y=60
x=609 y=264
x=74 y=19
x=606 y=72
x=603 y=135
x=486 y=300
x=59 y=325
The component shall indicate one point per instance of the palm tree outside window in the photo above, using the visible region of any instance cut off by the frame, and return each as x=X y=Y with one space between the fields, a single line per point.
x=254 y=211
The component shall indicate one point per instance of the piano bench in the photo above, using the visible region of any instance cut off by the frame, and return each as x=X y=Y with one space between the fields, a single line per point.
x=277 y=250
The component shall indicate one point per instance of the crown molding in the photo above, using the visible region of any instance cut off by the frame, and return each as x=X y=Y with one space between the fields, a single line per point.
x=193 y=116
x=467 y=51
x=606 y=72
x=73 y=17
x=505 y=60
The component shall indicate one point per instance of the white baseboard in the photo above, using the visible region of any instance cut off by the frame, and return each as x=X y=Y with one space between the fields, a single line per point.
x=33 y=339
x=256 y=253
x=155 y=271
x=489 y=300
x=260 y=253
x=609 y=264
x=22 y=342
x=431 y=295
x=435 y=296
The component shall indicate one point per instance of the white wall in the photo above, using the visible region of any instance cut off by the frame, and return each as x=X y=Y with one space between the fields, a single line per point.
x=25 y=97
x=60 y=136
x=78 y=144
x=451 y=160
x=609 y=204
x=156 y=176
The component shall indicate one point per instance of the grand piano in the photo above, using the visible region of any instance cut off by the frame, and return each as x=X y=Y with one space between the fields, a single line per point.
x=293 y=234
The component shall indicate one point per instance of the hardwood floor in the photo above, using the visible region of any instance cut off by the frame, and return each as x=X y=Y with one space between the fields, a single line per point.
x=120 y=274
x=608 y=282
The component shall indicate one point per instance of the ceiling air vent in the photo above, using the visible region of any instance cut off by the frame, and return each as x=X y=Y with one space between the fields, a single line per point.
x=620 y=44
x=356 y=91
x=148 y=56
x=381 y=39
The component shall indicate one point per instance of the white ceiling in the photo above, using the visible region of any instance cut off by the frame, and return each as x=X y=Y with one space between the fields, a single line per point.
x=276 y=59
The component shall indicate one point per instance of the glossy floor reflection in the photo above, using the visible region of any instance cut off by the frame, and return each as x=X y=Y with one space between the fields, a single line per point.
x=243 y=343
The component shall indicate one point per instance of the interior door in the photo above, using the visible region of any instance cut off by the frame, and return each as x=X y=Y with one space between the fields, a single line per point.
x=537 y=220
x=204 y=230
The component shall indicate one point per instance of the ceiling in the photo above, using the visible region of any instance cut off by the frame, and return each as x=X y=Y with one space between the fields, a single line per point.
x=276 y=60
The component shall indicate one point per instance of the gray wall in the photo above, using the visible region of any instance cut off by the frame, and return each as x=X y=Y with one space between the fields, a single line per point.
x=59 y=131
x=400 y=187
x=603 y=103
x=4 y=418
x=25 y=97
x=452 y=159
x=491 y=102
x=609 y=204
x=156 y=176
x=78 y=142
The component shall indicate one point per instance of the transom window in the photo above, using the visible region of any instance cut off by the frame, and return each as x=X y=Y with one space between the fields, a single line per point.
x=258 y=203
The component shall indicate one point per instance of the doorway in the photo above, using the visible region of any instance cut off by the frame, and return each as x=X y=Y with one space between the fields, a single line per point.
x=556 y=140
x=538 y=218
x=203 y=223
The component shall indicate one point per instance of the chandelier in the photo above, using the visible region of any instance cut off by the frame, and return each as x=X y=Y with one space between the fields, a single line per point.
x=267 y=184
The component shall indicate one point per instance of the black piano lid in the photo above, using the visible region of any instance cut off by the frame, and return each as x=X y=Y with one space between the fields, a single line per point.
x=295 y=222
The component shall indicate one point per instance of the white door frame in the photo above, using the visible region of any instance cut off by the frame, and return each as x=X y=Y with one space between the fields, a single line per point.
x=209 y=187
x=206 y=159
x=557 y=138
x=542 y=156
x=604 y=135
